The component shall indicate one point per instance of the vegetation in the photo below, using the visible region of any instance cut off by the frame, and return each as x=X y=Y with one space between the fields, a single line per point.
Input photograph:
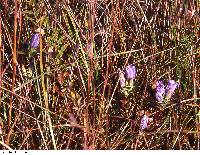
x=61 y=62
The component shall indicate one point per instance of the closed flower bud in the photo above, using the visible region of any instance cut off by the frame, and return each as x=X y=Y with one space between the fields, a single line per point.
x=160 y=91
x=122 y=79
x=130 y=72
x=35 y=40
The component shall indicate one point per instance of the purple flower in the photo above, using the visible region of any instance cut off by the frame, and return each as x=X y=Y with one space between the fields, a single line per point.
x=122 y=79
x=35 y=40
x=171 y=86
x=144 y=122
x=130 y=72
x=160 y=90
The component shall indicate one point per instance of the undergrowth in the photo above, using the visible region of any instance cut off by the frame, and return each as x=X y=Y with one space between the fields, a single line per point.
x=65 y=93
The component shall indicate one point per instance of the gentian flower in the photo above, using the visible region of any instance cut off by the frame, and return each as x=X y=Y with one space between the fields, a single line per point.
x=160 y=91
x=171 y=86
x=126 y=81
x=130 y=72
x=35 y=40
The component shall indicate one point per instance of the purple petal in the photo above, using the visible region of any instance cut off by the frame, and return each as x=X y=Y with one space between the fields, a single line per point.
x=144 y=122
x=35 y=40
x=160 y=91
x=160 y=87
x=130 y=72
x=171 y=86
x=159 y=97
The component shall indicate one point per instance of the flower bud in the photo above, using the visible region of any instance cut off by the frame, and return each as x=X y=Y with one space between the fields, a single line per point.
x=35 y=40
x=122 y=79
x=160 y=91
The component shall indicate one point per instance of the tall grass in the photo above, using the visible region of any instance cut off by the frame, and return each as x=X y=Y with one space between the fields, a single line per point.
x=65 y=94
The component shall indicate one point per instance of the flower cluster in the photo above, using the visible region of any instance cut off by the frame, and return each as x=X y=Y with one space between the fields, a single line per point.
x=167 y=92
x=162 y=92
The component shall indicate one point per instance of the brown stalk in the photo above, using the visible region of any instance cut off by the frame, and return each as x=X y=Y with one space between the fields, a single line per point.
x=0 y=57
x=92 y=62
x=14 y=64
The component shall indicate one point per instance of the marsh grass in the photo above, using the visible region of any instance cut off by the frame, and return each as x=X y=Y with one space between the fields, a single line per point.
x=66 y=95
